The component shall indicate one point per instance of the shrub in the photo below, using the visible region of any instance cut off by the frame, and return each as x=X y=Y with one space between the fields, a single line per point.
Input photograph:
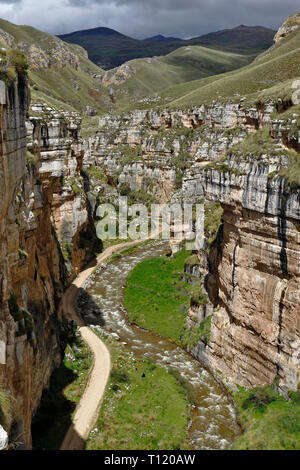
x=31 y=158
x=18 y=60
x=259 y=397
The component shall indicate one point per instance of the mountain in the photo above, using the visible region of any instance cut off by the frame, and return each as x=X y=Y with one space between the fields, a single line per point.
x=59 y=73
x=108 y=48
x=240 y=39
x=161 y=38
x=269 y=77
x=143 y=77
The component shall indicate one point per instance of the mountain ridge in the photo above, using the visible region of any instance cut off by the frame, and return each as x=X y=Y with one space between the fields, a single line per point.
x=108 y=48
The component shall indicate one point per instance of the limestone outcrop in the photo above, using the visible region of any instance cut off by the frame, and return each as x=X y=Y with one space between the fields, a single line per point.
x=289 y=26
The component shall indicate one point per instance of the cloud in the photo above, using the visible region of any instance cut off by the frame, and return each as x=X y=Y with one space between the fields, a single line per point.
x=141 y=18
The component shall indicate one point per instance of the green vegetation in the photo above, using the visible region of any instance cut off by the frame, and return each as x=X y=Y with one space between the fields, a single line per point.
x=144 y=407
x=292 y=171
x=5 y=408
x=191 y=335
x=258 y=144
x=270 y=421
x=152 y=298
x=18 y=60
x=31 y=159
x=22 y=317
x=148 y=76
x=64 y=87
x=66 y=249
x=212 y=221
x=192 y=261
x=58 y=403
x=96 y=173
x=270 y=76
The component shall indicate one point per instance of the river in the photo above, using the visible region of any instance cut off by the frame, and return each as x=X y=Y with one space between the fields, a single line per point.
x=213 y=422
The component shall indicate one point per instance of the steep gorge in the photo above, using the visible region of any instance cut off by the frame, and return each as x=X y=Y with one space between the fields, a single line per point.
x=253 y=281
x=43 y=223
x=238 y=155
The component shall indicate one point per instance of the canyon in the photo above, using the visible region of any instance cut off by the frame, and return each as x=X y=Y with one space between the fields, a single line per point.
x=236 y=154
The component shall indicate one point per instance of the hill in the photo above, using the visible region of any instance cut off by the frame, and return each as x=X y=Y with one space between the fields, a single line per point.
x=141 y=77
x=161 y=38
x=109 y=48
x=59 y=73
x=243 y=39
x=269 y=76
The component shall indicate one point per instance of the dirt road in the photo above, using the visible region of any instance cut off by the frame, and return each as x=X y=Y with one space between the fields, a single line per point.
x=88 y=409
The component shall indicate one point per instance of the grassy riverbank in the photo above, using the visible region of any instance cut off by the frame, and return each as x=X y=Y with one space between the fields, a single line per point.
x=144 y=407
x=58 y=404
x=153 y=299
x=270 y=422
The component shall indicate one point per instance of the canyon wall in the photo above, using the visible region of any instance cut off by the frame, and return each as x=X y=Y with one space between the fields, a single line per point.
x=44 y=219
x=252 y=271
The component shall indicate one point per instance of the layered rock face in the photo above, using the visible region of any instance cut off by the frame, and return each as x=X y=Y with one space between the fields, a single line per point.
x=252 y=273
x=54 y=137
x=57 y=54
x=150 y=149
x=44 y=216
x=29 y=268
x=255 y=333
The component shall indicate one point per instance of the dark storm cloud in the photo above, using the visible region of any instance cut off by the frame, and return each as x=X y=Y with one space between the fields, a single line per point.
x=141 y=18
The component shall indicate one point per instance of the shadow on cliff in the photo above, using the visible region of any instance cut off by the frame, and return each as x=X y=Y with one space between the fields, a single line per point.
x=54 y=417
x=90 y=312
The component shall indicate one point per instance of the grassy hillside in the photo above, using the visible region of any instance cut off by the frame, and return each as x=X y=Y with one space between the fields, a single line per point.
x=270 y=76
x=146 y=76
x=109 y=49
x=72 y=79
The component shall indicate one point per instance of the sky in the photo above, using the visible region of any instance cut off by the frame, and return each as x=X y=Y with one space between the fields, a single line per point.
x=144 y=18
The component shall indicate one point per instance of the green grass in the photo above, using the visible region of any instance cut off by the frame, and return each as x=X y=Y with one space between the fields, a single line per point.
x=144 y=408
x=152 y=298
x=270 y=76
x=59 y=402
x=148 y=76
x=270 y=422
x=192 y=335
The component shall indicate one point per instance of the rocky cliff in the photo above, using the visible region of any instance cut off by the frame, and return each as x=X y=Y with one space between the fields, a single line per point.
x=44 y=221
x=237 y=156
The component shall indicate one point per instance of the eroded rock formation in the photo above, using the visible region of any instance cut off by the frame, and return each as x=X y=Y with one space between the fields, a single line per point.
x=43 y=219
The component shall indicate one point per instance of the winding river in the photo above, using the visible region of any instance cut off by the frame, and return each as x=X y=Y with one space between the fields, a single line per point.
x=213 y=424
